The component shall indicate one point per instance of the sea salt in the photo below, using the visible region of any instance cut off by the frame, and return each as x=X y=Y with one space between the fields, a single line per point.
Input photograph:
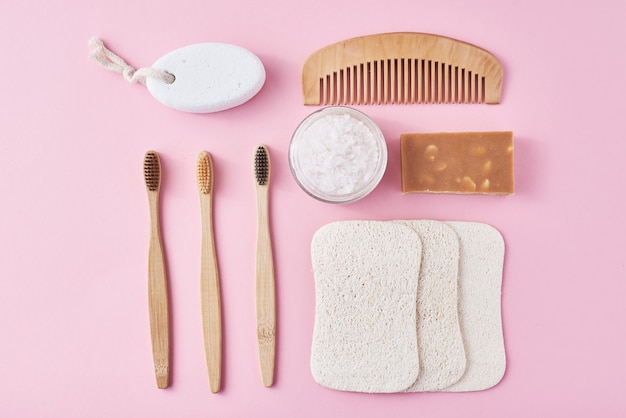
x=338 y=154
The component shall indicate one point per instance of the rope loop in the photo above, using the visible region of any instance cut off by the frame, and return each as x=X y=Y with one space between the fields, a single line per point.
x=109 y=60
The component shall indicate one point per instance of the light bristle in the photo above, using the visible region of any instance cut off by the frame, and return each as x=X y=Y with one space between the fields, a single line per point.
x=401 y=81
x=152 y=170
x=205 y=173
x=261 y=165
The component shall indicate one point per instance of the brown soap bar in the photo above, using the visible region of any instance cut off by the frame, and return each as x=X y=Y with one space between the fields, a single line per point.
x=462 y=162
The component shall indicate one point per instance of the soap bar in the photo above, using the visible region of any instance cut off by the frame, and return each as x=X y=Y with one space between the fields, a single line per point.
x=209 y=77
x=459 y=162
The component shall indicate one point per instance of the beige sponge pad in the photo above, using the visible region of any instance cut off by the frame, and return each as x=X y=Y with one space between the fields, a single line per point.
x=480 y=287
x=439 y=341
x=366 y=277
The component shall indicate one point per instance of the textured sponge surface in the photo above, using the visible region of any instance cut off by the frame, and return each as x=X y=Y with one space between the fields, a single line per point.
x=480 y=288
x=439 y=341
x=366 y=278
x=408 y=306
x=210 y=77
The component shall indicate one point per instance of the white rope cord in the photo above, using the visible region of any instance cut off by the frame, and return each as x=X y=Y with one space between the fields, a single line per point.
x=113 y=62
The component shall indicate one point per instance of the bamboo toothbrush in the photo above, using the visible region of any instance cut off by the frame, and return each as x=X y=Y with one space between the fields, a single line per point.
x=157 y=282
x=265 y=292
x=209 y=279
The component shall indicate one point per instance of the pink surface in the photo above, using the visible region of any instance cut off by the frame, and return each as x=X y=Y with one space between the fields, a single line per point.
x=74 y=224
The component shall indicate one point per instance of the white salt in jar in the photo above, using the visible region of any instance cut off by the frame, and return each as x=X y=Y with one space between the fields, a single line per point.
x=338 y=155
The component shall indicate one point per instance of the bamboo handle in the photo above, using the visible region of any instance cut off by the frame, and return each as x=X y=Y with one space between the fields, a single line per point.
x=157 y=298
x=265 y=292
x=210 y=298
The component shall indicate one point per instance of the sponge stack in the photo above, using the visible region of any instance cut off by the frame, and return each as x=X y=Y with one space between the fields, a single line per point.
x=366 y=297
x=407 y=306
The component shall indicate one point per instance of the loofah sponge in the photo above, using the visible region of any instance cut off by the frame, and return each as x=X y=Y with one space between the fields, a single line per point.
x=480 y=284
x=372 y=334
x=366 y=277
x=439 y=341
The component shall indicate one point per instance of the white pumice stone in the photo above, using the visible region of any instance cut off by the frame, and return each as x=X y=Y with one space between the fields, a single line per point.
x=210 y=77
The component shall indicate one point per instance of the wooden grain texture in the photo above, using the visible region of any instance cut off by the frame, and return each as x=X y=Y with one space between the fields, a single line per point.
x=157 y=286
x=209 y=278
x=401 y=67
x=265 y=285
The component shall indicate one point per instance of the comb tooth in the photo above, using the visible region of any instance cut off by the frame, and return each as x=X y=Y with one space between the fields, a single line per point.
x=422 y=88
x=355 y=85
x=348 y=92
x=426 y=81
x=338 y=87
x=465 y=86
x=384 y=76
x=448 y=84
x=352 y=84
x=381 y=86
x=356 y=81
x=367 y=67
x=412 y=78
x=406 y=80
x=326 y=89
x=344 y=86
x=386 y=82
x=371 y=82
x=321 y=91
x=374 y=84
x=468 y=87
x=393 y=83
x=333 y=88
x=390 y=81
x=349 y=85
x=481 y=90
x=456 y=84
x=362 y=83
x=442 y=68
x=475 y=89
x=434 y=74
x=439 y=81
x=398 y=89
x=393 y=97
x=418 y=81
x=329 y=86
x=431 y=82
x=461 y=85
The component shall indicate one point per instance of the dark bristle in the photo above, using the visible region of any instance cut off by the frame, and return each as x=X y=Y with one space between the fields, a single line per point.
x=152 y=170
x=261 y=165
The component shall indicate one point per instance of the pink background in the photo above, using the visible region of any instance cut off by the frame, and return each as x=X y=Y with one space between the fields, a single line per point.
x=74 y=218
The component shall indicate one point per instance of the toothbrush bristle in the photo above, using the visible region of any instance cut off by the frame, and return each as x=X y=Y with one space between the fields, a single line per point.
x=205 y=173
x=152 y=170
x=261 y=165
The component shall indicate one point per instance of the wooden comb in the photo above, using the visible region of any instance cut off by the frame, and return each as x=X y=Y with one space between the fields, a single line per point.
x=402 y=67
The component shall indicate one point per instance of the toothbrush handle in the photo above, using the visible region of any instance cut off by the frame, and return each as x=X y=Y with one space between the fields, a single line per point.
x=265 y=291
x=210 y=299
x=157 y=299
